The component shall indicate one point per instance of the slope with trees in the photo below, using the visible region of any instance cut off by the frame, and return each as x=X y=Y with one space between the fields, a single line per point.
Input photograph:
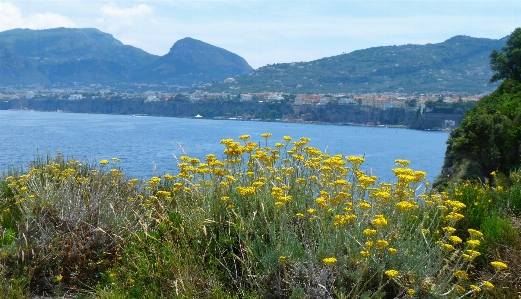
x=488 y=142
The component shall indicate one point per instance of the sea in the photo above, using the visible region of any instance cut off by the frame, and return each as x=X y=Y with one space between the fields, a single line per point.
x=149 y=146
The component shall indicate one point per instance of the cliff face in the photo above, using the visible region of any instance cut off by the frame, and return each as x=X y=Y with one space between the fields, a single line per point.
x=339 y=114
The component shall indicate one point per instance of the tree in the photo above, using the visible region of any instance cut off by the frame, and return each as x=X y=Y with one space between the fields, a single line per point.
x=488 y=139
x=508 y=63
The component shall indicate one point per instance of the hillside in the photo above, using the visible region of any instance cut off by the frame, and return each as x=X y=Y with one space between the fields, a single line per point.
x=18 y=70
x=62 y=44
x=459 y=64
x=89 y=55
x=189 y=58
x=488 y=141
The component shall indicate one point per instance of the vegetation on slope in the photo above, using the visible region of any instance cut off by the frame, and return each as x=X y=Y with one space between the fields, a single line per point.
x=280 y=220
x=458 y=64
x=488 y=140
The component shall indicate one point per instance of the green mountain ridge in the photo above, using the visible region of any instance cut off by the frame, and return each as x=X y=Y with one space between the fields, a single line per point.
x=189 y=57
x=88 y=55
x=459 y=64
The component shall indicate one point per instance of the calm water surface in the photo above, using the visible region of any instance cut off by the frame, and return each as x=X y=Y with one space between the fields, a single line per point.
x=148 y=145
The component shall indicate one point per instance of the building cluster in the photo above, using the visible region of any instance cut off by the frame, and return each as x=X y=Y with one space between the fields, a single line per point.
x=366 y=101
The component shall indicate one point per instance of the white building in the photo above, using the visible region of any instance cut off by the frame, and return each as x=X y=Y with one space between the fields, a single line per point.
x=75 y=97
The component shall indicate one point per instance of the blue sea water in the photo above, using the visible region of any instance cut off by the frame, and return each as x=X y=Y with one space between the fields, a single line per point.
x=147 y=146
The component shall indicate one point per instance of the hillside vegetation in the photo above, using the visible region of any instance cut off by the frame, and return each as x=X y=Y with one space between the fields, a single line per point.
x=267 y=220
x=459 y=64
x=87 y=55
x=488 y=141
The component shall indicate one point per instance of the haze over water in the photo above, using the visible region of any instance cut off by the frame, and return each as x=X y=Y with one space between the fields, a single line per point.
x=146 y=145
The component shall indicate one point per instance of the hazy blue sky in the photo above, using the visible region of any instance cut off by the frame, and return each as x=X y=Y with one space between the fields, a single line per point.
x=272 y=31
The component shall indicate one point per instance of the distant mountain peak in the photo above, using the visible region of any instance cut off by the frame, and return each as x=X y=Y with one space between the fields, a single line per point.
x=190 y=45
x=190 y=56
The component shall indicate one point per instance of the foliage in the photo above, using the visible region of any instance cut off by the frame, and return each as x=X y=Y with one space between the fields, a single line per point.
x=280 y=220
x=489 y=137
x=458 y=64
x=508 y=63
x=489 y=209
x=449 y=108
x=71 y=219
x=289 y=221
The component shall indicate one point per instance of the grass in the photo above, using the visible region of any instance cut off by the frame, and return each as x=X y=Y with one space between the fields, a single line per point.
x=274 y=221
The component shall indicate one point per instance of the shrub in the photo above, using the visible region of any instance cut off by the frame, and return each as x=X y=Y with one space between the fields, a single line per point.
x=289 y=220
x=71 y=221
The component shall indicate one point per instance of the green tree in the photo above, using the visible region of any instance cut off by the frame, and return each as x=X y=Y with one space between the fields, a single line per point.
x=507 y=64
x=489 y=137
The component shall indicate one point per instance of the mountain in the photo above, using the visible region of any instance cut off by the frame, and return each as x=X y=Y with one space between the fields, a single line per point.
x=189 y=58
x=63 y=44
x=89 y=55
x=459 y=64
x=15 y=69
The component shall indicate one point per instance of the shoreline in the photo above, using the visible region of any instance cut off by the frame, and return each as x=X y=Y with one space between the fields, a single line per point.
x=252 y=120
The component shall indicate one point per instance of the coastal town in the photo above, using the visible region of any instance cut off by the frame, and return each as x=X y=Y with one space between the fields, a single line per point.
x=154 y=93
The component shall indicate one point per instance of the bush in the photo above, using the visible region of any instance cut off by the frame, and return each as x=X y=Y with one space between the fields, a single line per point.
x=71 y=222
x=290 y=221
x=281 y=221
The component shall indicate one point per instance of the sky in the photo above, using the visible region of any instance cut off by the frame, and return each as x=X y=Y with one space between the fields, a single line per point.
x=271 y=31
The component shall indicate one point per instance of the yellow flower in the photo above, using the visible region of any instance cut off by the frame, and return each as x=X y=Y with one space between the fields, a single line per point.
x=391 y=273
x=329 y=261
x=321 y=202
x=163 y=193
x=299 y=215
x=379 y=220
x=411 y=292
x=459 y=288
x=364 y=205
x=487 y=285
x=311 y=211
x=59 y=278
x=401 y=162
x=473 y=243
x=225 y=198
x=266 y=135
x=286 y=138
x=475 y=233
x=244 y=137
x=365 y=253
x=381 y=244
x=369 y=232
x=282 y=258
x=355 y=160
x=104 y=162
x=471 y=254
x=461 y=274
x=475 y=288
x=392 y=250
x=447 y=247
x=455 y=239
x=499 y=265
x=449 y=229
